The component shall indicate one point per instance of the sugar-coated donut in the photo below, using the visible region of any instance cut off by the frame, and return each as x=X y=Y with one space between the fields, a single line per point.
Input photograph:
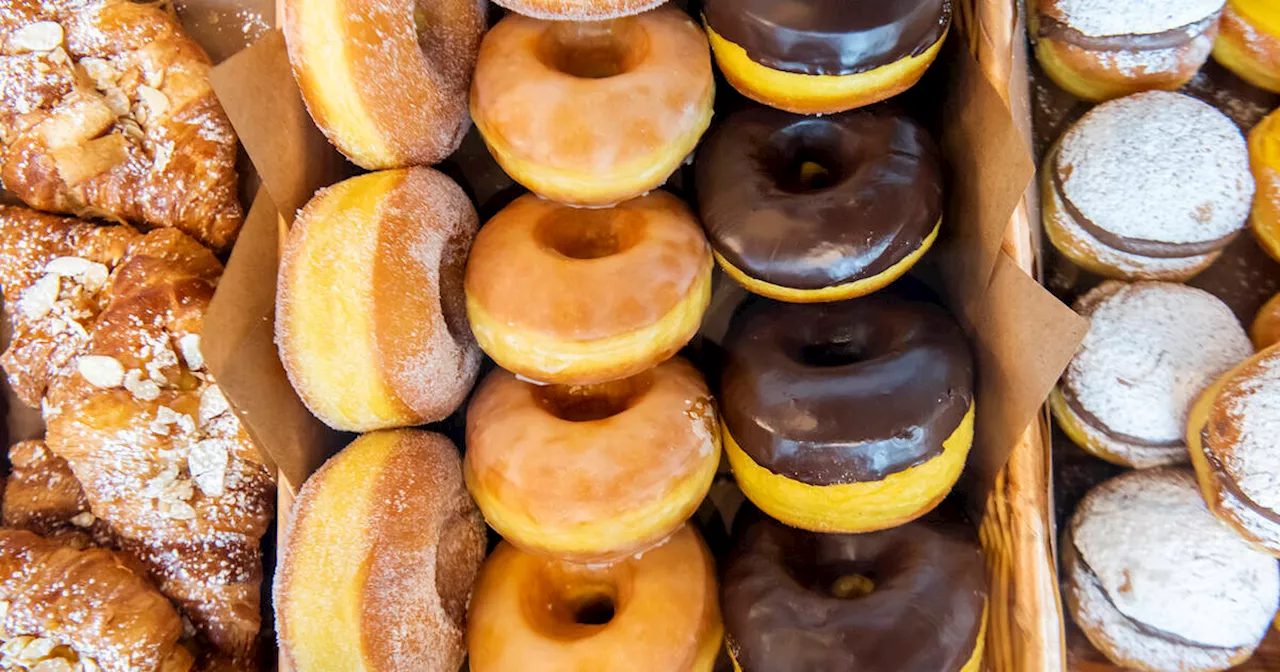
x=846 y=417
x=1264 y=161
x=578 y=10
x=370 y=314
x=831 y=56
x=1265 y=330
x=809 y=209
x=595 y=472
x=383 y=550
x=386 y=81
x=575 y=296
x=656 y=611
x=1152 y=347
x=1248 y=42
x=593 y=113
x=912 y=598
x=1157 y=583
x=1115 y=194
x=1104 y=50
x=1232 y=433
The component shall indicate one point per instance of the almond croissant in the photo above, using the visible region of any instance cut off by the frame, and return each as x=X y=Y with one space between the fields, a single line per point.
x=43 y=496
x=65 y=610
x=107 y=111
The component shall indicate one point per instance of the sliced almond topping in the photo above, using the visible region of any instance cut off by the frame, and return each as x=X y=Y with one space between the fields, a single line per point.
x=95 y=276
x=83 y=519
x=118 y=102
x=207 y=463
x=140 y=388
x=89 y=665
x=212 y=404
x=67 y=267
x=157 y=103
x=37 y=649
x=101 y=371
x=53 y=665
x=40 y=297
x=190 y=347
x=100 y=70
x=178 y=511
x=38 y=36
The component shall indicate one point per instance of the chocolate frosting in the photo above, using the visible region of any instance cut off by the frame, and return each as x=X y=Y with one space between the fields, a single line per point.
x=1053 y=29
x=1154 y=249
x=1229 y=483
x=829 y=37
x=924 y=614
x=880 y=197
x=844 y=392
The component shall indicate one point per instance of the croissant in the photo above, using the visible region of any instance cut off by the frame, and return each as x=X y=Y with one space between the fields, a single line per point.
x=108 y=112
x=161 y=458
x=69 y=610
x=43 y=496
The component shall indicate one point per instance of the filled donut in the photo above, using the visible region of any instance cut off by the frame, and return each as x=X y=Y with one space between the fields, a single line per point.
x=1115 y=187
x=386 y=81
x=655 y=611
x=593 y=113
x=370 y=314
x=579 y=296
x=1264 y=162
x=909 y=599
x=578 y=10
x=380 y=559
x=810 y=209
x=1231 y=435
x=825 y=56
x=1152 y=347
x=592 y=472
x=1157 y=583
x=1248 y=42
x=1104 y=50
x=846 y=417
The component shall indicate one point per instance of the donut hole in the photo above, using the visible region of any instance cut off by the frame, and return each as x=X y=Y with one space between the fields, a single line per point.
x=835 y=353
x=804 y=157
x=452 y=274
x=568 y=601
x=593 y=609
x=852 y=586
x=588 y=403
x=594 y=49
x=589 y=234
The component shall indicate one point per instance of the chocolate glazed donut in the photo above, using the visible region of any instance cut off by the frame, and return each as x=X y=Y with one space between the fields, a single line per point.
x=819 y=209
x=909 y=599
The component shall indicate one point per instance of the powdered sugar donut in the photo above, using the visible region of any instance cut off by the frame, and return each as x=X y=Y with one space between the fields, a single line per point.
x=578 y=10
x=1152 y=347
x=370 y=315
x=1232 y=436
x=1101 y=49
x=1157 y=583
x=1149 y=187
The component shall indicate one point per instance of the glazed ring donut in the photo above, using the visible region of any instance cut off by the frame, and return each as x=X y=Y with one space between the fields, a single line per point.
x=1114 y=187
x=1264 y=161
x=593 y=113
x=812 y=209
x=833 y=56
x=578 y=10
x=378 y=567
x=386 y=81
x=370 y=314
x=656 y=611
x=1231 y=436
x=1265 y=330
x=910 y=598
x=1157 y=583
x=1248 y=42
x=1152 y=347
x=808 y=429
x=1098 y=51
x=592 y=473
x=572 y=296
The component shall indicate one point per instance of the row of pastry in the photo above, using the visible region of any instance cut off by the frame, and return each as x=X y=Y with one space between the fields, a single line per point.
x=843 y=396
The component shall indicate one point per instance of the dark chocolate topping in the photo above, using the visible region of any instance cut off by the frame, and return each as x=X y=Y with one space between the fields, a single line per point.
x=875 y=196
x=924 y=614
x=844 y=392
x=1073 y=402
x=1154 y=249
x=829 y=37
x=1054 y=29
x=1229 y=483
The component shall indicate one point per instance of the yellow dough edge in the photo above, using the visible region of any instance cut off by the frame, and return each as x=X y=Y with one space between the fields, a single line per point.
x=848 y=290
x=547 y=359
x=592 y=188
x=854 y=507
x=328 y=343
x=606 y=539
x=321 y=600
x=818 y=94
x=1263 y=16
x=1264 y=161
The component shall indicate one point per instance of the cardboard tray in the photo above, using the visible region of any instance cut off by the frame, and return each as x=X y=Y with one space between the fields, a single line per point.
x=986 y=264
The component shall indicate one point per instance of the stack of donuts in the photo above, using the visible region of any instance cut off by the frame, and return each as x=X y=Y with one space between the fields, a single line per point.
x=1145 y=192
x=845 y=395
